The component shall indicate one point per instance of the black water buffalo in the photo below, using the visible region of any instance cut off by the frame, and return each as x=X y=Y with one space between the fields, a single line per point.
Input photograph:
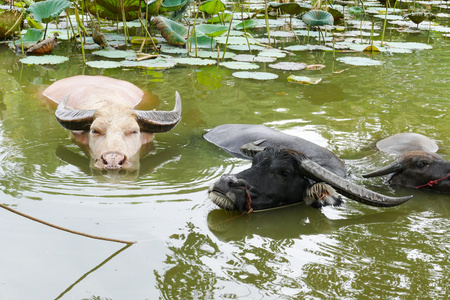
x=285 y=170
x=417 y=165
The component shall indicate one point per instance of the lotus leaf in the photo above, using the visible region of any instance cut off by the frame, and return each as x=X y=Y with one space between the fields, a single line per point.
x=104 y=64
x=32 y=36
x=114 y=53
x=236 y=40
x=286 y=65
x=255 y=75
x=272 y=53
x=153 y=7
x=304 y=79
x=359 y=61
x=253 y=58
x=8 y=19
x=290 y=8
x=111 y=9
x=247 y=23
x=212 y=7
x=318 y=18
x=212 y=54
x=221 y=19
x=48 y=10
x=172 y=5
x=202 y=41
x=194 y=61
x=158 y=63
x=234 y=65
x=44 y=60
x=172 y=32
x=210 y=29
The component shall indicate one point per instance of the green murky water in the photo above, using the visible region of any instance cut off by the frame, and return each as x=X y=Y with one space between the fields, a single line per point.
x=187 y=248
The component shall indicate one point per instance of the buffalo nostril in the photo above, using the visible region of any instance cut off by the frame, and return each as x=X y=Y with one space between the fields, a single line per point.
x=113 y=160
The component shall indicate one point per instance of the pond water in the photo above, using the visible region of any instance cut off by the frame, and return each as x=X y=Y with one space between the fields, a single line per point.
x=186 y=247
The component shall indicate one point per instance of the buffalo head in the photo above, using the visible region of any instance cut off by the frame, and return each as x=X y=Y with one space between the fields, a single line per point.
x=281 y=177
x=418 y=169
x=115 y=132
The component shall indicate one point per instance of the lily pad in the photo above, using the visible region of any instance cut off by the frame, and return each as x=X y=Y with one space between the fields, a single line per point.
x=104 y=64
x=359 y=61
x=158 y=63
x=212 y=54
x=286 y=65
x=272 y=53
x=234 y=65
x=114 y=53
x=44 y=60
x=235 y=40
x=194 y=61
x=253 y=58
x=304 y=79
x=255 y=75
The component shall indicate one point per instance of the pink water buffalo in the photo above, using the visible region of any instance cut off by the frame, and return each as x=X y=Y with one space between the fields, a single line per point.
x=100 y=112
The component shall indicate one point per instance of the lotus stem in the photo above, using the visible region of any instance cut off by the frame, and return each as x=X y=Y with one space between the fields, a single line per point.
x=266 y=16
x=226 y=42
x=125 y=28
x=148 y=34
x=245 y=31
x=81 y=41
x=384 y=25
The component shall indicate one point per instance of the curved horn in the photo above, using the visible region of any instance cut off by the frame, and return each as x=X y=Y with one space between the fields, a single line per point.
x=347 y=188
x=396 y=166
x=160 y=121
x=73 y=119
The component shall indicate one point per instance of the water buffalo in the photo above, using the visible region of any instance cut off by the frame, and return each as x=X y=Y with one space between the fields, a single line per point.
x=417 y=165
x=285 y=170
x=101 y=115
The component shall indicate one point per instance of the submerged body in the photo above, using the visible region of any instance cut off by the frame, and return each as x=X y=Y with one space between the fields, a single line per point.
x=417 y=165
x=101 y=113
x=285 y=170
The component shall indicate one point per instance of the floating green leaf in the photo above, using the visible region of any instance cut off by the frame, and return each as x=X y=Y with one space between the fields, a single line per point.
x=304 y=79
x=286 y=65
x=46 y=11
x=114 y=53
x=44 y=60
x=210 y=30
x=104 y=64
x=255 y=75
x=239 y=65
x=291 y=8
x=359 y=61
x=194 y=61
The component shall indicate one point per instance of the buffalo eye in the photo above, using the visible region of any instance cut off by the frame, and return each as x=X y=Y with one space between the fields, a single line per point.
x=136 y=131
x=95 y=131
x=283 y=173
x=422 y=164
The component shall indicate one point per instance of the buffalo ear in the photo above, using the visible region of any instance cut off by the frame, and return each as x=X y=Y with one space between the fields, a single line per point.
x=252 y=148
x=345 y=187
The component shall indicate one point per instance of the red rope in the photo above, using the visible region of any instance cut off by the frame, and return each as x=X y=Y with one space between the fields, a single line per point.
x=248 y=201
x=432 y=183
